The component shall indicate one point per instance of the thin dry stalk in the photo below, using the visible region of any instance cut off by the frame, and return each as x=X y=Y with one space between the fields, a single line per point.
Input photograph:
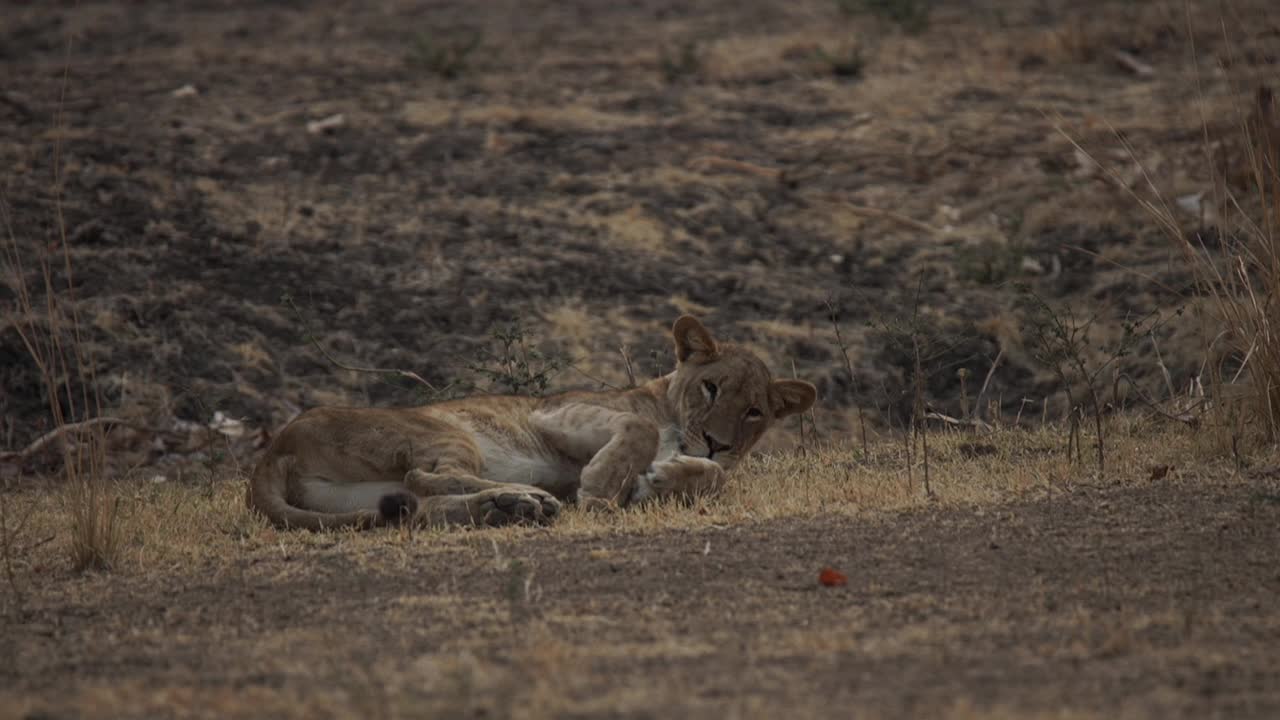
x=1185 y=417
x=1017 y=420
x=848 y=368
x=96 y=537
x=921 y=427
x=602 y=383
x=630 y=368
x=906 y=442
x=407 y=374
x=1241 y=282
x=54 y=341
x=1164 y=370
x=986 y=383
x=919 y=409
x=816 y=436
x=881 y=214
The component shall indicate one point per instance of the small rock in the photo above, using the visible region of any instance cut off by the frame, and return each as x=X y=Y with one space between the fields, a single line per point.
x=226 y=425
x=1086 y=166
x=1193 y=203
x=315 y=127
x=185 y=91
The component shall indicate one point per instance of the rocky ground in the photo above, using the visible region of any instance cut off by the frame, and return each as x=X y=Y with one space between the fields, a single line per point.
x=397 y=180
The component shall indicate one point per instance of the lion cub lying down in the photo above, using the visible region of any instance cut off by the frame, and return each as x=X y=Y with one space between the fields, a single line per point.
x=493 y=460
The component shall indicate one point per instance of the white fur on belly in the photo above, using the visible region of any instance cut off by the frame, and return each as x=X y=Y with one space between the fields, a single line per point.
x=506 y=465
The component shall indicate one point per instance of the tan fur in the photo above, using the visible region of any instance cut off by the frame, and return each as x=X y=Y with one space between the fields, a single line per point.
x=491 y=460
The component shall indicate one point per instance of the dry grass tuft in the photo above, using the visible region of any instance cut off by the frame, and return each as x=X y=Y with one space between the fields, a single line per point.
x=94 y=509
x=1233 y=254
x=46 y=318
x=1241 y=278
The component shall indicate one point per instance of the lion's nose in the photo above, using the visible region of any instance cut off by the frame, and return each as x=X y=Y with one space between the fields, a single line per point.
x=713 y=447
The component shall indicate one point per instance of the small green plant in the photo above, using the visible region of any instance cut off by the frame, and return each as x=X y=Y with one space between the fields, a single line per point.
x=989 y=262
x=910 y=15
x=519 y=590
x=426 y=391
x=1060 y=341
x=447 y=58
x=921 y=349
x=512 y=365
x=847 y=62
x=686 y=61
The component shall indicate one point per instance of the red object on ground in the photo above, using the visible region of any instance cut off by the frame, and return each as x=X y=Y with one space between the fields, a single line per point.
x=831 y=577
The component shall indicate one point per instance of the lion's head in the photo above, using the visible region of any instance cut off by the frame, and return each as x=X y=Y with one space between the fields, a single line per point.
x=725 y=396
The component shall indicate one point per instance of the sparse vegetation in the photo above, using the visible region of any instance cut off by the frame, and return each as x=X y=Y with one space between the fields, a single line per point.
x=594 y=184
x=1242 y=278
x=668 y=583
x=909 y=15
x=1060 y=340
x=447 y=57
x=846 y=62
x=681 y=62
x=45 y=317
x=513 y=364
x=990 y=263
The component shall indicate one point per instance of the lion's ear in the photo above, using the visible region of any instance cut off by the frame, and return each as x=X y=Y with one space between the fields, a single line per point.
x=788 y=397
x=692 y=339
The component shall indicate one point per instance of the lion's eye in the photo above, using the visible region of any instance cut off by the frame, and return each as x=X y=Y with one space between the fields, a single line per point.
x=754 y=413
x=709 y=388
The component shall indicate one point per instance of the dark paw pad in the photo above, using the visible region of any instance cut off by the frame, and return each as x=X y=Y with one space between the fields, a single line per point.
x=396 y=508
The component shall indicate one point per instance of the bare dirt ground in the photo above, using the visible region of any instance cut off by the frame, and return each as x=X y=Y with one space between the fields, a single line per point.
x=393 y=179
x=1017 y=591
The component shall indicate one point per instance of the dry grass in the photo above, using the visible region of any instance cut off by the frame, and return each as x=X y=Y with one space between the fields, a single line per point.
x=162 y=524
x=947 y=130
x=464 y=623
x=1243 y=283
x=1237 y=282
x=1233 y=252
x=46 y=319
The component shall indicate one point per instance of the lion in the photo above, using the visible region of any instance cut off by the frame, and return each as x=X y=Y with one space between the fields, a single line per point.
x=496 y=460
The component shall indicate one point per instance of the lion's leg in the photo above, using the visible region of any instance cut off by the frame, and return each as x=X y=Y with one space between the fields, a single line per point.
x=455 y=494
x=457 y=499
x=682 y=476
x=496 y=506
x=621 y=446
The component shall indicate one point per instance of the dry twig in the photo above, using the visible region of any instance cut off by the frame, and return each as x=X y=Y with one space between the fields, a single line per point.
x=975 y=423
x=879 y=214
x=709 y=162
x=409 y=374
x=1130 y=62
x=39 y=443
x=986 y=383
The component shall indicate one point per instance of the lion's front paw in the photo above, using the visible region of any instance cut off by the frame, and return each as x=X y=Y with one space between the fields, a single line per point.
x=513 y=504
x=682 y=476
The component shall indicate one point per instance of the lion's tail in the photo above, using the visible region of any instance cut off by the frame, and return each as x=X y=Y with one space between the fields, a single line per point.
x=267 y=494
